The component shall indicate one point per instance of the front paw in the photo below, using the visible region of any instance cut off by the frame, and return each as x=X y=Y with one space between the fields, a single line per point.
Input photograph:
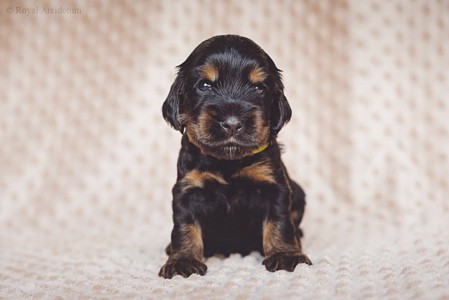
x=285 y=261
x=184 y=266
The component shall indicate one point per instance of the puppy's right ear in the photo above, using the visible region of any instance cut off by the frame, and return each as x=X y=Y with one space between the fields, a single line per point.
x=170 y=108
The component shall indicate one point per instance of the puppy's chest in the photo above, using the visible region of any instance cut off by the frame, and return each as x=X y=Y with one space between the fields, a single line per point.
x=230 y=201
x=232 y=190
x=259 y=173
x=232 y=205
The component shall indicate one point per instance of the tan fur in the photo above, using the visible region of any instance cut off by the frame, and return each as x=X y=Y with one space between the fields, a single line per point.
x=193 y=240
x=262 y=129
x=202 y=127
x=199 y=130
x=260 y=171
x=210 y=72
x=197 y=179
x=257 y=75
x=294 y=216
x=273 y=242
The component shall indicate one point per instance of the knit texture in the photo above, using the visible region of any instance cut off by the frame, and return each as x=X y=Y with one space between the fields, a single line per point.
x=87 y=162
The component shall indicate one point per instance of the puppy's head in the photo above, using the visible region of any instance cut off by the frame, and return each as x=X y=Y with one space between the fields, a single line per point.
x=228 y=97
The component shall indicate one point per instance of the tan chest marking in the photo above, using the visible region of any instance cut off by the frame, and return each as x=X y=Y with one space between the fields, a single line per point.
x=197 y=179
x=260 y=171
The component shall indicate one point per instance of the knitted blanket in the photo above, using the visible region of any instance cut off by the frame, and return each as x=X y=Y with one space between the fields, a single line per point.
x=87 y=162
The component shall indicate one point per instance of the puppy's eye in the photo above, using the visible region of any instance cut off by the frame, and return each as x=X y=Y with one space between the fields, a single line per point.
x=204 y=85
x=259 y=88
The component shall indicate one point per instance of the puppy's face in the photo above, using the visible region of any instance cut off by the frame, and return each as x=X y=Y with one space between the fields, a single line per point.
x=228 y=97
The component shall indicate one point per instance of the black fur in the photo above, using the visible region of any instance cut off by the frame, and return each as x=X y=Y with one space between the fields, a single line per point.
x=233 y=193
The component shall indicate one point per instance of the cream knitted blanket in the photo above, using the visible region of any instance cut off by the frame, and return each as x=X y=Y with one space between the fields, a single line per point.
x=87 y=162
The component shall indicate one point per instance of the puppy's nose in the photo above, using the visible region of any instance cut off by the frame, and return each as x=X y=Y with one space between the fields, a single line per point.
x=232 y=125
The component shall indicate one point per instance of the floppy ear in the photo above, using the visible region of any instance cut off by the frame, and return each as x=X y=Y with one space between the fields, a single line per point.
x=280 y=110
x=170 y=108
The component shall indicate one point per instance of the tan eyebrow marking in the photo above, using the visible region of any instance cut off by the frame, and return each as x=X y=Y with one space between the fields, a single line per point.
x=257 y=75
x=209 y=72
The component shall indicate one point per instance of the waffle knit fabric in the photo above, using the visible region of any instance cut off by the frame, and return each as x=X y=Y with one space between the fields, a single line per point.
x=87 y=162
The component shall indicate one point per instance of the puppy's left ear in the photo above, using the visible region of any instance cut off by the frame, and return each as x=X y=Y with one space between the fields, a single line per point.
x=280 y=110
x=170 y=108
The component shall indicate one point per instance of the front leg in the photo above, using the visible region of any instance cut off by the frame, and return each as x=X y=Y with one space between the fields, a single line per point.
x=281 y=238
x=186 y=252
x=281 y=247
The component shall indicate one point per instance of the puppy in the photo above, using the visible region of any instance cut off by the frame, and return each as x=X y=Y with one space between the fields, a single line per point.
x=233 y=193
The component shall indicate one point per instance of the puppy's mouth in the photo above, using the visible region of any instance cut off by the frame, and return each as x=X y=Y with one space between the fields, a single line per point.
x=229 y=149
x=230 y=152
x=226 y=146
x=234 y=150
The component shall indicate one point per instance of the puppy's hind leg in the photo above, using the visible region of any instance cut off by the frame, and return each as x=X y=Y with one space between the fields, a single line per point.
x=298 y=207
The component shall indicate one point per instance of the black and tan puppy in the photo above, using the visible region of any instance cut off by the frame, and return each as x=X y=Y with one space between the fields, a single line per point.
x=233 y=193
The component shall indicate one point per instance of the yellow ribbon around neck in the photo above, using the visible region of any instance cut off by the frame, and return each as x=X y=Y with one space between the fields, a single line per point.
x=258 y=150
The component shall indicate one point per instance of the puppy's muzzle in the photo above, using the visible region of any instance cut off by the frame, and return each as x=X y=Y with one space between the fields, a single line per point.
x=230 y=119
x=232 y=125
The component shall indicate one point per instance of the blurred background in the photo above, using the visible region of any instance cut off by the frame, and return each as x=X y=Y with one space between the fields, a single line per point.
x=87 y=162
